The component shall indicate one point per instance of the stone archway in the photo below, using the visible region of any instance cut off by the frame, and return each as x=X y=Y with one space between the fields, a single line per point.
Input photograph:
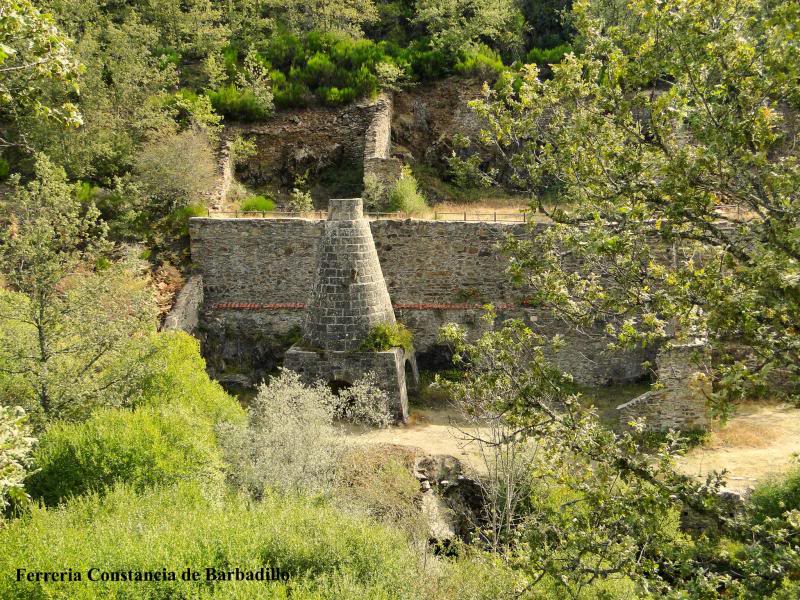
x=337 y=386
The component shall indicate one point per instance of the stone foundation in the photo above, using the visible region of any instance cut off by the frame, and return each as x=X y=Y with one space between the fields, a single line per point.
x=347 y=367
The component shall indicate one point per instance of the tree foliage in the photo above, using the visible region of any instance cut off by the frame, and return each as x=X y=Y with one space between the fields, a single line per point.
x=671 y=140
x=591 y=505
x=459 y=24
x=55 y=358
x=33 y=52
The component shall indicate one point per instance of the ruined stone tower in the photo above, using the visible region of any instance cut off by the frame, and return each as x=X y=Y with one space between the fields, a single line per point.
x=348 y=298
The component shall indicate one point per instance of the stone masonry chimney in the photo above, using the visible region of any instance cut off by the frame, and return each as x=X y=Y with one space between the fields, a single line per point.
x=349 y=294
x=348 y=298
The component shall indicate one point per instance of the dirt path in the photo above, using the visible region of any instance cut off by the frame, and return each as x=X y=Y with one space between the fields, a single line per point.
x=434 y=431
x=756 y=443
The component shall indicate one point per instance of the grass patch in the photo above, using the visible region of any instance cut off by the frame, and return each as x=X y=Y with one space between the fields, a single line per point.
x=327 y=554
x=385 y=336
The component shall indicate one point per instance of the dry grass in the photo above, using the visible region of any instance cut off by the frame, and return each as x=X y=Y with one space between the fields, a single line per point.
x=744 y=434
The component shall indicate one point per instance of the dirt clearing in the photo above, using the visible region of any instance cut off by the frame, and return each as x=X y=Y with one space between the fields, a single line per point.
x=756 y=443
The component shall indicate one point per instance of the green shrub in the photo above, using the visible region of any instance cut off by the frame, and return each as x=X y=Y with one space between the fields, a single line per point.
x=168 y=56
x=168 y=436
x=5 y=169
x=335 y=95
x=258 y=203
x=386 y=336
x=238 y=103
x=481 y=62
x=405 y=197
x=177 y=221
x=143 y=447
x=777 y=495
x=85 y=191
x=326 y=553
x=175 y=374
x=230 y=59
x=548 y=56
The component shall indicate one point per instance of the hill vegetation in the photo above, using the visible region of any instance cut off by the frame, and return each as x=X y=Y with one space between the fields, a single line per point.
x=670 y=119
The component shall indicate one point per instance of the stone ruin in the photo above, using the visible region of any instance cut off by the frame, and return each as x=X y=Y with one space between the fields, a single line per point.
x=245 y=308
x=683 y=386
x=348 y=298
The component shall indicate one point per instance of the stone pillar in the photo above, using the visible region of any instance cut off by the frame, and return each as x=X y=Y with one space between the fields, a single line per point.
x=680 y=400
x=378 y=162
x=348 y=298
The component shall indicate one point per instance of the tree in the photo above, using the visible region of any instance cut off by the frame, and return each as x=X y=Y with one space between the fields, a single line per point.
x=456 y=25
x=33 y=51
x=671 y=142
x=571 y=503
x=121 y=87
x=175 y=169
x=70 y=321
x=345 y=16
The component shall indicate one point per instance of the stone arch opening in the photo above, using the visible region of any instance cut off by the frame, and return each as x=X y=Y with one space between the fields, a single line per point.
x=337 y=386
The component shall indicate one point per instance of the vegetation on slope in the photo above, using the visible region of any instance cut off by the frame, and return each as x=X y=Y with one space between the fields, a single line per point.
x=668 y=114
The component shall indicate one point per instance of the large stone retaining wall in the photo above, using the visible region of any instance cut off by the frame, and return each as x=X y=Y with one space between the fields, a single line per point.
x=257 y=277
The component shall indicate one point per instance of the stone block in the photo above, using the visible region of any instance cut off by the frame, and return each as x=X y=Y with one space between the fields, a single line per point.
x=346 y=367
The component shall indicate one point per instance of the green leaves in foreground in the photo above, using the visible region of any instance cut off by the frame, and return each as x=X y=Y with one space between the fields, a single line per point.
x=671 y=140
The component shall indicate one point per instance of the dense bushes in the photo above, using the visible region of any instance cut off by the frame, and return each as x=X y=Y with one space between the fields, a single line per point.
x=168 y=437
x=331 y=68
x=323 y=67
x=237 y=103
x=325 y=553
x=142 y=447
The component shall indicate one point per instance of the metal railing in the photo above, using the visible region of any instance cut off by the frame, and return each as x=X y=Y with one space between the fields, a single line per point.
x=494 y=216
x=320 y=215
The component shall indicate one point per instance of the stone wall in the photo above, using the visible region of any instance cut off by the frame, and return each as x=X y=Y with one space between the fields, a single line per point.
x=680 y=400
x=296 y=141
x=258 y=274
x=378 y=162
x=218 y=194
x=185 y=312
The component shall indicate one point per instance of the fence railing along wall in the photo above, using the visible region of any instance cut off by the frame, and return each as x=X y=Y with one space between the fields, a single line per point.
x=321 y=215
